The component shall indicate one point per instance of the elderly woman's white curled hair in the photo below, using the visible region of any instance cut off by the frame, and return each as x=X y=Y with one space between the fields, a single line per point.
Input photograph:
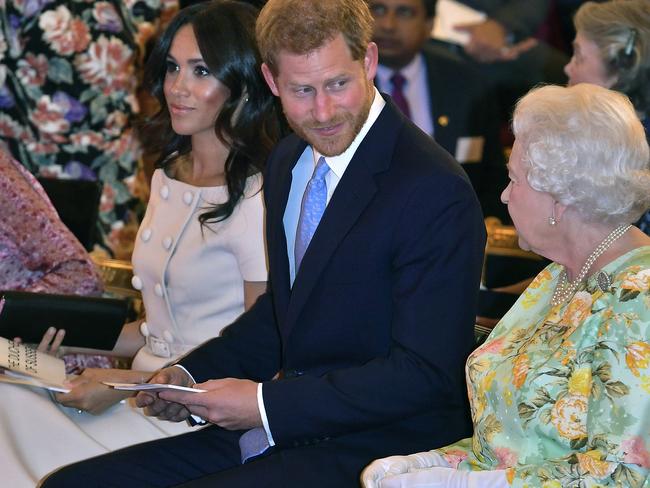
x=586 y=147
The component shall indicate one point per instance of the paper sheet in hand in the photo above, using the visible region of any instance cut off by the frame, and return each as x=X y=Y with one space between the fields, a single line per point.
x=24 y=365
x=156 y=387
x=449 y=14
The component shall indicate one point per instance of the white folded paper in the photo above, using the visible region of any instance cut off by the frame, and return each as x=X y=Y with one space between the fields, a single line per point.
x=155 y=387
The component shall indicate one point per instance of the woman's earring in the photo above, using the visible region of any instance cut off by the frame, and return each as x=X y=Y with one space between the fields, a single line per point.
x=551 y=220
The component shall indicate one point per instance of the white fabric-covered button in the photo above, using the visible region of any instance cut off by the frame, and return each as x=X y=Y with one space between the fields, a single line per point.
x=146 y=235
x=136 y=282
x=168 y=337
x=188 y=197
x=144 y=330
x=164 y=192
x=158 y=289
x=167 y=242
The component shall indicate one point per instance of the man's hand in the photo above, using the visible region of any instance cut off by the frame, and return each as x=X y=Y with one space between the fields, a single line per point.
x=229 y=403
x=156 y=406
x=487 y=40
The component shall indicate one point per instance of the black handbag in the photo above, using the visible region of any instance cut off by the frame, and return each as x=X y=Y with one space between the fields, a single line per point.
x=91 y=322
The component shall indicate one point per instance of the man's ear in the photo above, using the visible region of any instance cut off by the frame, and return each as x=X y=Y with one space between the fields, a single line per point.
x=370 y=60
x=270 y=80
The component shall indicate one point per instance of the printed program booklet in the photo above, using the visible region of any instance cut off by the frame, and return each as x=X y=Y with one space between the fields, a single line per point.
x=24 y=365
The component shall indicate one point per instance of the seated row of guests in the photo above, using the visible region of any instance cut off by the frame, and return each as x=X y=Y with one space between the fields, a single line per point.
x=375 y=241
x=199 y=257
x=344 y=397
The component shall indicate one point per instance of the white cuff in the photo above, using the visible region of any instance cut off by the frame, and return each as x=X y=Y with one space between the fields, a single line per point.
x=265 y=420
x=186 y=371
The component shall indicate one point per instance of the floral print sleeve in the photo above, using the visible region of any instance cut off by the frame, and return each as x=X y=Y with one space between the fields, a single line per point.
x=564 y=400
x=37 y=252
x=68 y=79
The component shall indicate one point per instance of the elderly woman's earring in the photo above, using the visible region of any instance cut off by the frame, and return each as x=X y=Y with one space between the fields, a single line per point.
x=551 y=220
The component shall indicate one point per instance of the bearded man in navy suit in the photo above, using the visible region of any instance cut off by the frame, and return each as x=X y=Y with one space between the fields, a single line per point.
x=357 y=350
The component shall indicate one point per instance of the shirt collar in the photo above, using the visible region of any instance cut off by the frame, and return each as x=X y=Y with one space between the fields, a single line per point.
x=338 y=164
x=409 y=72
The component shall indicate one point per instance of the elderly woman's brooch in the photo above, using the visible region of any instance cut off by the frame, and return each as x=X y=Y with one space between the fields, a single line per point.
x=604 y=281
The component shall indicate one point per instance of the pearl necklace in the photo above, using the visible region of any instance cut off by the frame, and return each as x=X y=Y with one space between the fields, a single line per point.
x=565 y=289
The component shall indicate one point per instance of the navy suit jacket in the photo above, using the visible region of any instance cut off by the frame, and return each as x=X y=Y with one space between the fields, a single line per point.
x=372 y=338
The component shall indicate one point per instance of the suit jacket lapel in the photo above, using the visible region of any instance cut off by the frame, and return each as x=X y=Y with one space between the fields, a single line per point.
x=353 y=193
x=439 y=99
x=278 y=190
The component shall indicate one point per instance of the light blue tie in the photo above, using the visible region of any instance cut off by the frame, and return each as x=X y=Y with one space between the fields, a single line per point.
x=313 y=206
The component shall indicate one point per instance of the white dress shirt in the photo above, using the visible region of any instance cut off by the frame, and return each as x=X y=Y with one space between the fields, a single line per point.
x=304 y=169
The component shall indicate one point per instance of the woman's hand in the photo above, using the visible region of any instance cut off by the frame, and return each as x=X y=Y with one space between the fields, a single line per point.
x=50 y=343
x=380 y=469
x=427 y=469
x=87 y=392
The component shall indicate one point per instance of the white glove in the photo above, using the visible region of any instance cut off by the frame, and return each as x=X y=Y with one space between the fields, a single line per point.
x=436 y=477
x=393 y=465
x=426 y=470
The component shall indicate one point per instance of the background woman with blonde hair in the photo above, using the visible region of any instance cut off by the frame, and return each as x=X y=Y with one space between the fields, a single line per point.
x=612 y=49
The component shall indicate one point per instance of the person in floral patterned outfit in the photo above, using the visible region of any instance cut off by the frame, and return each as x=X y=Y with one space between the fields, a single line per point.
x=68 y=79
x=37 y=252
x=560 y=390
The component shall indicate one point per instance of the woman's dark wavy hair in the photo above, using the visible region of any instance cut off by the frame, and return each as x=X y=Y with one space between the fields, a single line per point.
x=225 y=34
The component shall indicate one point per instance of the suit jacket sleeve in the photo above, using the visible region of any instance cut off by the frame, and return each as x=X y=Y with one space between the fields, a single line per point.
x=436 y=264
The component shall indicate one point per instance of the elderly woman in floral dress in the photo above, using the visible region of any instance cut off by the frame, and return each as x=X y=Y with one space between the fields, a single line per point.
x=560 y=391
x=68 y=80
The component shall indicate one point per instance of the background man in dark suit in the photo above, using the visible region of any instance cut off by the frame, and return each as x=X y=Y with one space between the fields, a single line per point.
x=369 y=328
x=444 y=96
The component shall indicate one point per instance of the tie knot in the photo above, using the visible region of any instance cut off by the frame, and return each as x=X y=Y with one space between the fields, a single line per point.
x=321 y=169
x=398 y=80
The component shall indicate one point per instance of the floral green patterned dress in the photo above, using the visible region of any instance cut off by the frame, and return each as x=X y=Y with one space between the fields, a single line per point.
x=561 y=395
